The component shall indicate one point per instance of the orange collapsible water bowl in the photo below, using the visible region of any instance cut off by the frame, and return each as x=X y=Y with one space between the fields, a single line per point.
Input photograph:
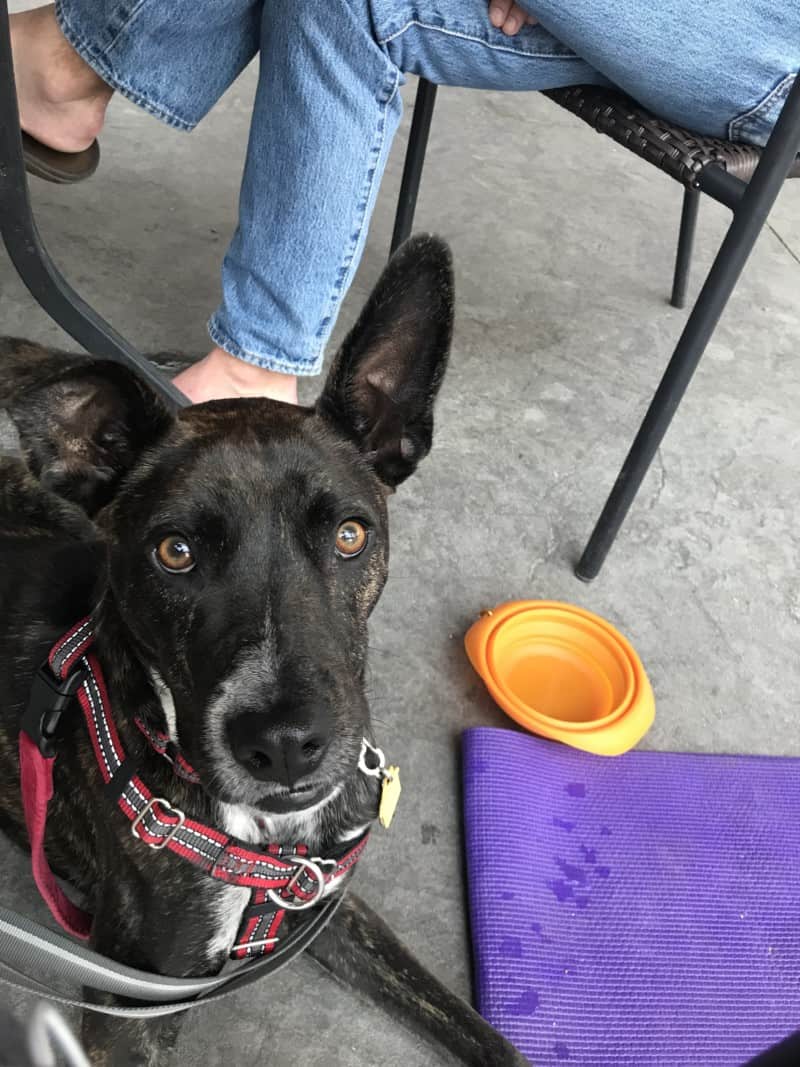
x=564 y=673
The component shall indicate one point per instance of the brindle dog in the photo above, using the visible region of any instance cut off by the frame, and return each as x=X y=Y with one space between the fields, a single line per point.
x=230 y=557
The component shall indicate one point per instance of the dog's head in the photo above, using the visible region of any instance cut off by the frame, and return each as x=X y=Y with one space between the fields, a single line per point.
x=247 y=539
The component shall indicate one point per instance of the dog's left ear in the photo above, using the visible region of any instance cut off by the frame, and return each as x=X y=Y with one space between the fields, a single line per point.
x=384 y=379
x=83 y=423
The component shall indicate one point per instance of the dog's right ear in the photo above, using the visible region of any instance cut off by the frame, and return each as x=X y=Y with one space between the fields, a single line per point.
x=82 y=422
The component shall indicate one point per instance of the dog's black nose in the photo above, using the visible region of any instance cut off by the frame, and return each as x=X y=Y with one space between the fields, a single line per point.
x=278 y=751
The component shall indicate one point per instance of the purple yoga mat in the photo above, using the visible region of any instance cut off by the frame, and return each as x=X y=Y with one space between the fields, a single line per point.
x=636 y=910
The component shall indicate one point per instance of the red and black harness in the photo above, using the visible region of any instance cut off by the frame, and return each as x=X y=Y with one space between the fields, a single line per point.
x=280 y=879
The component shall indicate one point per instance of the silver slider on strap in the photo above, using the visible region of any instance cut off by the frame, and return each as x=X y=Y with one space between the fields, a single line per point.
x=170 y=833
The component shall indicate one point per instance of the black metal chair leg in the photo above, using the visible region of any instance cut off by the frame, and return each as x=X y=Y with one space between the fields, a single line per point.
x=415 y=158
x=683 y=258
x=30 y=257
x=749 y=217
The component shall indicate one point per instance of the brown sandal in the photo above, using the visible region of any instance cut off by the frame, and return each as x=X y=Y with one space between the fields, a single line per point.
x=63 y=168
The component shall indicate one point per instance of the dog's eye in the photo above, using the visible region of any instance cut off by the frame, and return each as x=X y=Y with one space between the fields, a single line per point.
x=351 y=538
x=175 y=555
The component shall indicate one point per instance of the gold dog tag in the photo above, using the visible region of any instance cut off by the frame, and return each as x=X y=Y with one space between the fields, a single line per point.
x=390 y=794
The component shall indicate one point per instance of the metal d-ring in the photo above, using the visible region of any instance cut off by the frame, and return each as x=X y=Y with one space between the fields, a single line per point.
x=303 y=864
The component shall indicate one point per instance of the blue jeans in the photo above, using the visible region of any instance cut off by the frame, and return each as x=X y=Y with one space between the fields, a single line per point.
x=327 y=108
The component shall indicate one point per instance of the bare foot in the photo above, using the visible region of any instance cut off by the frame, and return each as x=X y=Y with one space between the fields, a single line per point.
x=219 y=375
x=62 y=102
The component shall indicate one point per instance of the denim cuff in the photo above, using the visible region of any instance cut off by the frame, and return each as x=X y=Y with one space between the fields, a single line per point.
x=94 y=52
x=266 y=359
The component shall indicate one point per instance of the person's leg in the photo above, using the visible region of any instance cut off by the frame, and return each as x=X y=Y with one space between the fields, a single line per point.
x=62 y=101
x=173 y=59
x=326 y=111
x=328 y=106
x=723 y=69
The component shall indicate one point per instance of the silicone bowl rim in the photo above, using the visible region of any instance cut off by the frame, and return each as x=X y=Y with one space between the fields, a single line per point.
x=617 y=732
x=601 y=630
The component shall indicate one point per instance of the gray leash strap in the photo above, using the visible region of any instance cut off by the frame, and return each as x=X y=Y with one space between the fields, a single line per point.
x=24 y=984
x=24 y=944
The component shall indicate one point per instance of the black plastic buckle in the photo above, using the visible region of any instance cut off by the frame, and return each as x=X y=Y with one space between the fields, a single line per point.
x=49 y=697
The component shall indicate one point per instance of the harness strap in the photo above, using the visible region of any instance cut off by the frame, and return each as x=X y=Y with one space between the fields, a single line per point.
x=280 y=879
x=36 y=781
x=166 y=747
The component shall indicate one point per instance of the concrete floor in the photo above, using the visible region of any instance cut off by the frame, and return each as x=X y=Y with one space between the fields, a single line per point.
x=563 y=247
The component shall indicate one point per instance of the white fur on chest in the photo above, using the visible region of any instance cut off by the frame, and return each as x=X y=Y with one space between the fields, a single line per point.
x=229 y=907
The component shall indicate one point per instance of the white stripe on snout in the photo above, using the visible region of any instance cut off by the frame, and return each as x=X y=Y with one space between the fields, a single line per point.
x=252 y=673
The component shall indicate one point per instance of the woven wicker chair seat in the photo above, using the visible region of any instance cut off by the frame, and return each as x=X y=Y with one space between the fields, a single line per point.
x=678 y=152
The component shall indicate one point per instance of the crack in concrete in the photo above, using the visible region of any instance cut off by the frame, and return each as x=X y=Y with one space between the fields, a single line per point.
x=788 y=247
x=714 y=623
x=553 y=546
